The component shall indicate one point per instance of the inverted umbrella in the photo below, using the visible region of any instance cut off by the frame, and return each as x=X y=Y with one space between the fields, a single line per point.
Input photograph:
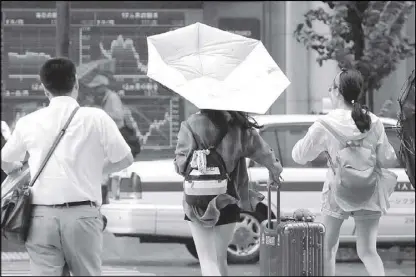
x=215 y=69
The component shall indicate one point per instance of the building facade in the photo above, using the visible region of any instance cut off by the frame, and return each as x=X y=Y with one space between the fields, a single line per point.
x=310 y=82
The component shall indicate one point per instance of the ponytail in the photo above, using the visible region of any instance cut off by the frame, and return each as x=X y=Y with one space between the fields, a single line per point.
x=350 y=86
x=361 y=116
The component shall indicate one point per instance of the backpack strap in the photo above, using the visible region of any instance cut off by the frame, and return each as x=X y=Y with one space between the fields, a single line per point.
x=339 y=137
x=218 y=140
x=221 y=136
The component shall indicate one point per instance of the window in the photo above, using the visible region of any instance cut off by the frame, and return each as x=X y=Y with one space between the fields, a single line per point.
x=282 y=139
x=395 y=142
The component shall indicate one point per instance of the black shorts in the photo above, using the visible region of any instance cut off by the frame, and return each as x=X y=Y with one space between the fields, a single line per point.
x=229 y=214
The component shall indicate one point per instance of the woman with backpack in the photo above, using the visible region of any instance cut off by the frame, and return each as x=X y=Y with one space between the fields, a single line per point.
x=210 y=153
x=357 y=183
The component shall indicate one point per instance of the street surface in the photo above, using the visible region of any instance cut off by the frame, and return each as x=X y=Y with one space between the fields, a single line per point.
x=128 y=257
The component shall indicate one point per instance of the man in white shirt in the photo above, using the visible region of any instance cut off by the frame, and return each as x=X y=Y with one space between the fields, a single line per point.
x=66 y=228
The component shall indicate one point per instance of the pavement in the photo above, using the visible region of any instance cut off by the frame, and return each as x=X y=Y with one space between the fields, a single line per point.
x=129 y=257
x=21 y=268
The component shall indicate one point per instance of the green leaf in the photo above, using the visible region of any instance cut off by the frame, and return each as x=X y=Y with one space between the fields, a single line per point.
x=375 y=26
x=299 y=28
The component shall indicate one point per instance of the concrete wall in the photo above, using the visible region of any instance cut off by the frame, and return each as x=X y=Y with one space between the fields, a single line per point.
x=310 y=81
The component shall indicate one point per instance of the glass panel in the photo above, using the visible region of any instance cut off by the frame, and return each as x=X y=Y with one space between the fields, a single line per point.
x=282 y=139
x=394 y=141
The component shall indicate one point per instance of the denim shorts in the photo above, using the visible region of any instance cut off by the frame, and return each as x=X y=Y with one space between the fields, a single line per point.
x=331 y=208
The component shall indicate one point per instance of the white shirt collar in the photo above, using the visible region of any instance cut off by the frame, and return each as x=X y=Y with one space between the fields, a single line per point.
x=57 y=100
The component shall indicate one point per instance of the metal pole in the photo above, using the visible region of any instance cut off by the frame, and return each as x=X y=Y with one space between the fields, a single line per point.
x=62 y=28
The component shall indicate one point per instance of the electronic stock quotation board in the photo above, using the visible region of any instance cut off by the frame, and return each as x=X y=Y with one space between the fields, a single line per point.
x=29 y=39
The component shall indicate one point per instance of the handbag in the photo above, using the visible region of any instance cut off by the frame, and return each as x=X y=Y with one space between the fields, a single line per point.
x=128 y=133
x=16 y=209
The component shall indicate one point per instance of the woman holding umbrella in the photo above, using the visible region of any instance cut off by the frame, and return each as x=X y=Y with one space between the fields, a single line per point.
x=226 y=76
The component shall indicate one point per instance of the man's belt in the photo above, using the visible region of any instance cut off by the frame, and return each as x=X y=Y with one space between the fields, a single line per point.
x=71 y=204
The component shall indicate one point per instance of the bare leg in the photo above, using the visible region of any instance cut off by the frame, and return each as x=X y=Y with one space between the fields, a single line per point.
x=223 y=236
x=331 y=242
x=367 y=245
x=211 y=245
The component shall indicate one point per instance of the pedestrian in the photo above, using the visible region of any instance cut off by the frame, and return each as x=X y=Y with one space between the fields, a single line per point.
x=107 y=99
x=66 y=227
x=111 y=103
x=350 y=129
x=212 y=222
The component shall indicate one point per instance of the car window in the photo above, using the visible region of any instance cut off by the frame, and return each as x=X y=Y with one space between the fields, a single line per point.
x=283 y=138
x=394 y=141
x=270 y=136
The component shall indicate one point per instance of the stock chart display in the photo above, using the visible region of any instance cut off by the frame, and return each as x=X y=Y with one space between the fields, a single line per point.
x=28 y=40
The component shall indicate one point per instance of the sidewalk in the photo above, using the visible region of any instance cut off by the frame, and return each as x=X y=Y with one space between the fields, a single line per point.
x=113 y=249
x=21 y=268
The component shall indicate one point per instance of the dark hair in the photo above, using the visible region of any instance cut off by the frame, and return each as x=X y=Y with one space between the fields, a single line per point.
x=241 y=119
x=350 y=87
x=58 y=76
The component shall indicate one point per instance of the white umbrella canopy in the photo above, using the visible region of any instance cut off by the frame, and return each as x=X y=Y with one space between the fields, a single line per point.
x=215 y=69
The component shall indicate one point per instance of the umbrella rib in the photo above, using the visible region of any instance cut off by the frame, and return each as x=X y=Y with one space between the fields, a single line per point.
x=199 y=50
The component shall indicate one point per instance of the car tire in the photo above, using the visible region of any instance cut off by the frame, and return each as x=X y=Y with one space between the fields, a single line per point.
x=252 y=257
x=231 y=256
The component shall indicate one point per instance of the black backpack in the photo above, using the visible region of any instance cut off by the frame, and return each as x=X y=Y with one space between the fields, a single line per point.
x=406 y=127
x=201 y=187
x=129 y=135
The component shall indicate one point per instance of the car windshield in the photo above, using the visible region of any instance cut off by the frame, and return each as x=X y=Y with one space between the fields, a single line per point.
x=283 y=138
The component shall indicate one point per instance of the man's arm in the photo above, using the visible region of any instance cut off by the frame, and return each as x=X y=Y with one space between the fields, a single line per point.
x=118 y=166
x=14 y=151
x=117 y=151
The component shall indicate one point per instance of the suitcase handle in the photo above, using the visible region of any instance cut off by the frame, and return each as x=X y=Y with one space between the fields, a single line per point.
x=269 y=204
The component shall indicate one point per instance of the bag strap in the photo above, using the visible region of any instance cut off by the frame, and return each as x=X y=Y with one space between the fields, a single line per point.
x=337 y=136
x=220 y=137
x=53 y=147
x=330 y=161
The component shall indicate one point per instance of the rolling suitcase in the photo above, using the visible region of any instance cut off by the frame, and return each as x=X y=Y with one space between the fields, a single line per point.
x=289 y=247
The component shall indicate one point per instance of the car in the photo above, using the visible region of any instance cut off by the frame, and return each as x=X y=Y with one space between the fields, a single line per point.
x=150 y=207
